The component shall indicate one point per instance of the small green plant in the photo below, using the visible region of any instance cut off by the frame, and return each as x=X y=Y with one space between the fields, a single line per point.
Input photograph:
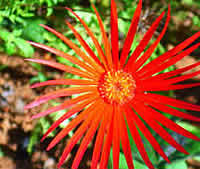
x=13 y=44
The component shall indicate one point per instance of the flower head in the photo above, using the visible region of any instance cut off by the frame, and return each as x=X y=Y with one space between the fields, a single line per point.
x=116 y=91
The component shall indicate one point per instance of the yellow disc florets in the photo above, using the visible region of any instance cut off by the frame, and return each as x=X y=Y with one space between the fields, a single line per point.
x=117 y=86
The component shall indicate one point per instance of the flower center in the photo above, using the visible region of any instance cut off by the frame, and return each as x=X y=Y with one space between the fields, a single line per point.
x=117 y=86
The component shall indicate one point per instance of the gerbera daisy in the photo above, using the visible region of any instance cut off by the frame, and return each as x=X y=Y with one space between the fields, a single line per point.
x=117 y=92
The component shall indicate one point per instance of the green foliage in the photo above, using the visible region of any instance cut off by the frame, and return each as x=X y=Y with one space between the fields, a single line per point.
x=41 y=127
x=34 y=138
x=13 y=44
x=15 y=10
x=1 y=152
x=19 y=21
x=41 y=77
x=33 y=31
x=2 y=67
x=196 y=20
x=56 y=115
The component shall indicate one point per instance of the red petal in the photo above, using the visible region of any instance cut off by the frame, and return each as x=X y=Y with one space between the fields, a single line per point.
x=139 y=143
x=144 y=41
x=170 y=124
x=143 y=112
x=131 y=34
x=65 y=105
x=151 y=49
x=78 y=51
x=95 y=41
x=75 y=109
x=64 y=82
x=169 y=54
x=116 y=138
x=77 y=135
x=100 y=136
x=107 y=145
x=114 y=34
x=169 y=110
x=182 y=78
x=125 y=141
x=97 y=63
x=106 y=42
x=88 y=137
x=169 y=62
x=65 y=68
x=171 y=87
x=172 y=102
x=134 y=119
x=167 y=75
x=59 y=93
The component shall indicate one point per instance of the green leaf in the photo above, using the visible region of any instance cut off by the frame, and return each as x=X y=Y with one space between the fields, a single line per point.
x=178 y=164
x=42 y=77
x=3 y=67
x=10 y=48
x=25 y=49
x=56 y=115
x=1 y=152
x=123 y=164
x=34 y=138
x=4 y=35
x=189 y=127
x=33 y=31
x=150 y=151
x=39 y=78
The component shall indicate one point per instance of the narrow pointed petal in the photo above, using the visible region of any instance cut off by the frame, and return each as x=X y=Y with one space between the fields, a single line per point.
x=143 y=112
x=170 y=74
x=77 y=135
x=116 y=138
x=75 y=109
x=114 y=34
x=72 y=59
x=131 y=34
x=173 y=102
x=106 y=42
x=134 y=119
x=169 y=110
x=166 y=87
x=65 y=68
x=56 y=65
x=125 y=141
x=78 y=51
x=95 y=41
x=96 y=62
x=151 y=49
x=59 y=93
x=64 y=105
x=182 y=78
x=169 y=62
x=139 y=144
x=140 y=48
x=170 y=124
x=166 y=136
x=167 y=55
x=87 y=138
x=100 y=136
x=64 y=82
x=107 y=145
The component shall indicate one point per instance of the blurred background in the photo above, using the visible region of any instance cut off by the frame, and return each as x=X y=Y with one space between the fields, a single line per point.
x=20 y=146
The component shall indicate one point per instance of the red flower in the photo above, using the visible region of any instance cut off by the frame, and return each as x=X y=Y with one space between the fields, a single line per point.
x=116 y=92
